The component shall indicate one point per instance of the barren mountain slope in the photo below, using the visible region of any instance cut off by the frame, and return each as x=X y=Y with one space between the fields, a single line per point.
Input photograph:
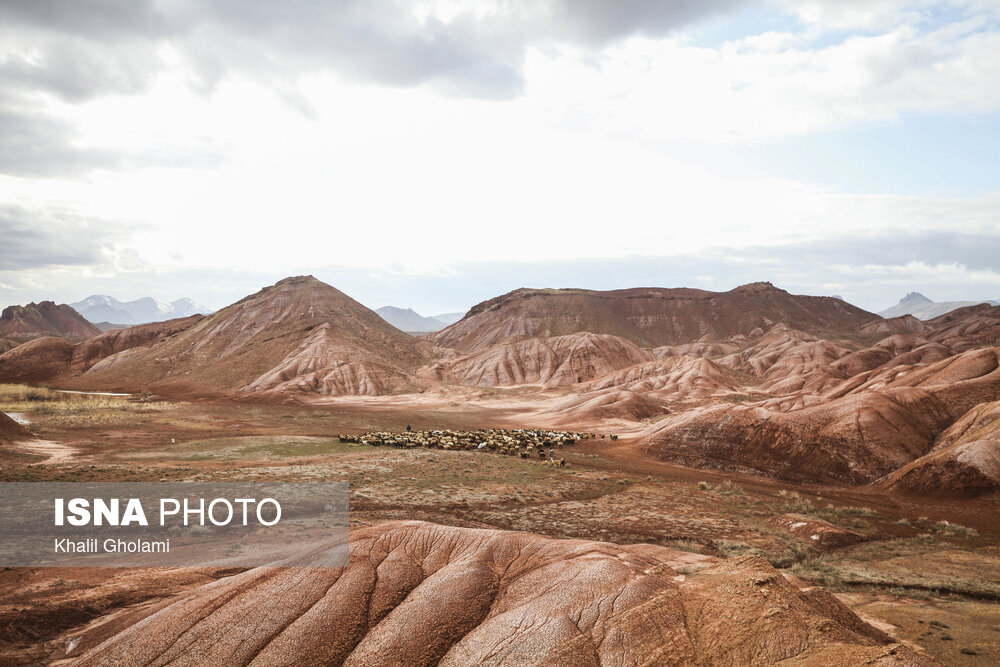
x=787 y=361
x=649 y=317
x=10 y=430
x=90 y=352
x=423 y=594
x=896 y=350
x=858 y=434
x=602 y=405
x=967 y=327
x=51 y=358
x=965 y=459
x=673 y=378
x=855 y=439
x=706 y=350
x=561 y=360
x=44 y=319
x=894 y=325
x=961 y=381
x=297 y=336
x=37 y=360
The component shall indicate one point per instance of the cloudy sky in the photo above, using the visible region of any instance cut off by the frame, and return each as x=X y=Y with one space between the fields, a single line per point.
x=434 y=154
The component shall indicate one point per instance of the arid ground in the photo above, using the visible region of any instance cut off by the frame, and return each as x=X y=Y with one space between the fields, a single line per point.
x=926 y=572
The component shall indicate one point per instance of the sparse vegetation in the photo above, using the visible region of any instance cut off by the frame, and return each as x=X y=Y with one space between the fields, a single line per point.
x=685 y=545
x=726 y=488
x=715 y=517
x=860 y=511
x=734 y=548
x=949 y=528
x=35 y=395
x=69 y=409
x=914 y=567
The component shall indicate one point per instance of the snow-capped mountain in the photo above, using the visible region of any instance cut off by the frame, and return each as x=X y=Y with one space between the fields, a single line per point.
x=104 y=308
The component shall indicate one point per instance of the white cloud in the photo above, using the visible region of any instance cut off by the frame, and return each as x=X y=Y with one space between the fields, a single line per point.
x=277 y=159
x=771 y=86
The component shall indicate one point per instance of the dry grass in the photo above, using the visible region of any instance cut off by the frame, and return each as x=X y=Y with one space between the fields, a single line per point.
x=733 y=548
x=846 y=517
x=919 y=567
x=727 y=488
x=65 y=408
x=216 y=442
x=948 y=528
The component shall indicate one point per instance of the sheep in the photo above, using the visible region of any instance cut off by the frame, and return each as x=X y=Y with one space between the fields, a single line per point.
x=516 y=442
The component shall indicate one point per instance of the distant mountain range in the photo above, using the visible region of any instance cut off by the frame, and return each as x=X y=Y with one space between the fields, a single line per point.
x=922 y=308
x=100 y=308
x=449 y=318
x=406 y=319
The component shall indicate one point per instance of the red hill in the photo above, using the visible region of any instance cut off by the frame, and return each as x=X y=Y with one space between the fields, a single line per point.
x=649 y=317
x=424 y=594
x=44 y=319
x=299 y=336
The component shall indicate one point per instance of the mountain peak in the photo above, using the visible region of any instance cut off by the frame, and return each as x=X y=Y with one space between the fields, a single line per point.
x=44 y=318
x=913 y=299
x=759 y=286
x=298 y=335
x=292 y=280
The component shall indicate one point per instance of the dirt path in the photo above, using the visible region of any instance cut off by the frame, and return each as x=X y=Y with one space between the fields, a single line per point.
x=56 y=453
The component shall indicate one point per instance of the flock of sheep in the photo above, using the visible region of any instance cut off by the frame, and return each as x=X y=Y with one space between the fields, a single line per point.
x=526 y=443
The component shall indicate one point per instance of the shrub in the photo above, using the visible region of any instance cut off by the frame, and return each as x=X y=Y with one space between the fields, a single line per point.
x=861 y=511
x=955 y=529
x=36 y=395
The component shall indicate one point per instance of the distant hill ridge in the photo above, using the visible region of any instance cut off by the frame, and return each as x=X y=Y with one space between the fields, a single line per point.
x=406 y=319
x=752 y=379
x=922 y=308
x=44 y=319
x=646 y=316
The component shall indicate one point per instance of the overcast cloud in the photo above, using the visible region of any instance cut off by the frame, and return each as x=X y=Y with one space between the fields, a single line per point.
x=43 y=239
x=437 y=153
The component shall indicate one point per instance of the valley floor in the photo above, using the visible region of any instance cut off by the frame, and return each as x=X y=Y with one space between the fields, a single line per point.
x=926 y=572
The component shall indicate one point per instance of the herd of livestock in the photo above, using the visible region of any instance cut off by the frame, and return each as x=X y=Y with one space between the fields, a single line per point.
x=526 y=443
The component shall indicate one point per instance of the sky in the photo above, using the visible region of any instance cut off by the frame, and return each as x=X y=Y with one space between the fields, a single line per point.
x=437 y=153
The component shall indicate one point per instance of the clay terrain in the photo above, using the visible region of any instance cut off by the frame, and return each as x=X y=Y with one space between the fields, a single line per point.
x=744 y=477
x=21 y=323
